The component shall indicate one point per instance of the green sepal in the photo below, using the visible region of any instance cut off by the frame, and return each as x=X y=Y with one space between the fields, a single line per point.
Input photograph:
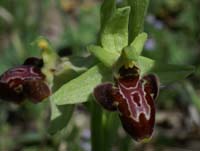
x=134 y=50
x=138 y=44
x=130 y=54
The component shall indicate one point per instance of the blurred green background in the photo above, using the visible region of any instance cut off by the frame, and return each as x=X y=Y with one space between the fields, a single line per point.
x=70 y=25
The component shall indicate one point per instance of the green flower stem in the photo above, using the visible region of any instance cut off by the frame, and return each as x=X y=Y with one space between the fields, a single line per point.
x=97 y=131
x=110 y=125
x=104 y=127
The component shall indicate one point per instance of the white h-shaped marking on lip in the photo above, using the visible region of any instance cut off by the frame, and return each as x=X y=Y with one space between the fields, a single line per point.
x=139 y=109
x=18 y=71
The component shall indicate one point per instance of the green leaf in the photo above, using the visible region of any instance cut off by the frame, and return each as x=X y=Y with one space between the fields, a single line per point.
x=194 y=97
x=60 y=116
x=167 y=73
x=79 y=89
x=108 y=7
x=55 y=112
x=137 y=16
x=108 y=58
x=114 y=36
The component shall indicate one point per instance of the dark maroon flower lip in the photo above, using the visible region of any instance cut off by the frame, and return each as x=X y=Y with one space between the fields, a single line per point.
x=24 y=82
x=133 y=97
